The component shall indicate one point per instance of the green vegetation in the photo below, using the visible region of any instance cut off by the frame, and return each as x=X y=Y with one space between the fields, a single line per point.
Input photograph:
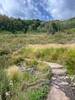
x=70 y=62
x=14 y=51
x=65 y=56
x=4 y=84
x=15 y=25
x=24 y=79
x=24 y=48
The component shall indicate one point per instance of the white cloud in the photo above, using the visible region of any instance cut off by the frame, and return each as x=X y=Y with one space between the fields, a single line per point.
x=43 y=9
x=61 y=9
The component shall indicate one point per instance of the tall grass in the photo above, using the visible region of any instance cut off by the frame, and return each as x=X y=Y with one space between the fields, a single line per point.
x=12 y=54
x=65 y=56
x=14 y=73
x=70 y=62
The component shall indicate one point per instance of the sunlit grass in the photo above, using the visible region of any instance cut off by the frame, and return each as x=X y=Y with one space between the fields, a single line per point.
x=14 y=73
x=63 y=55
x=28 y=50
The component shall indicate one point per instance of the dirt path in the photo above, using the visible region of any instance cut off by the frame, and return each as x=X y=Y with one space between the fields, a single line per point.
x=60 y=89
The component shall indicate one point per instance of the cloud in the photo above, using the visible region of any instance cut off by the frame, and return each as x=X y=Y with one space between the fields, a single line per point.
x=28 y=9
x=38 y=9
x=62 y=9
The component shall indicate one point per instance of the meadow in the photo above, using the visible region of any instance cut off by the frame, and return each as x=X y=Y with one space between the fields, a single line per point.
x=22 y=74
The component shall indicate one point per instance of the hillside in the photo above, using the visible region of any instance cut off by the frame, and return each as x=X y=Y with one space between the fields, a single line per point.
x=13 y=25
x=31 y=55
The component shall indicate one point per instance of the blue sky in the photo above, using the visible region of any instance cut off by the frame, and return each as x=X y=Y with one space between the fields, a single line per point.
x=38 y=9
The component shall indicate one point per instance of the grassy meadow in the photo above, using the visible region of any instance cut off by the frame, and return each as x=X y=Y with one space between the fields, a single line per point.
x=22 y=74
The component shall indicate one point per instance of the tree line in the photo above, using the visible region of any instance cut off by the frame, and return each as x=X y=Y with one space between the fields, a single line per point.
x=13 y=25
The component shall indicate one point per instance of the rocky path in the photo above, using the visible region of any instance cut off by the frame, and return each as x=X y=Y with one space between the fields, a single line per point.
x=60 y=89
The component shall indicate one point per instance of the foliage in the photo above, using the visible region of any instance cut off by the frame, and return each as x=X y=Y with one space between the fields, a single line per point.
x=13 y=25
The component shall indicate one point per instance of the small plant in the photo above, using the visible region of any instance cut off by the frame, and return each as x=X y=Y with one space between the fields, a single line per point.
x=34 y=64
x=31 y=63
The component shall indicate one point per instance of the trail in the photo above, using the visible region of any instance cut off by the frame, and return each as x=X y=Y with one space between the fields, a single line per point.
x=60 y=89
x=60 y=85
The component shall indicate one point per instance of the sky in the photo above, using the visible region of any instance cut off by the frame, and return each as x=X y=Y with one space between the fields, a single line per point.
x=38 y=9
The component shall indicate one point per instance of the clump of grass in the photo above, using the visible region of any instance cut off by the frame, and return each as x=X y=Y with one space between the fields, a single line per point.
x=14 y=73
x=31 y=63
x=27 y=76
x=42 y=67
x=27 y=52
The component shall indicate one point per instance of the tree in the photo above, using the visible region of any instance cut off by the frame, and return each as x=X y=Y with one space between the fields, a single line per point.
x=54 y=27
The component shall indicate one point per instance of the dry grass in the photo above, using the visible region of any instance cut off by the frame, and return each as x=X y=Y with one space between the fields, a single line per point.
x=43 y=46
x=13 y=73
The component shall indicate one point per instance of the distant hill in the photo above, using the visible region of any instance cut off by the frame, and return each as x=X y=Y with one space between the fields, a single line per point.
x=13 y=25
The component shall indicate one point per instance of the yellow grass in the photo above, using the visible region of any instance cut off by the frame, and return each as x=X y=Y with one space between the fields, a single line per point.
x=41 y=46
x=13 y=72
